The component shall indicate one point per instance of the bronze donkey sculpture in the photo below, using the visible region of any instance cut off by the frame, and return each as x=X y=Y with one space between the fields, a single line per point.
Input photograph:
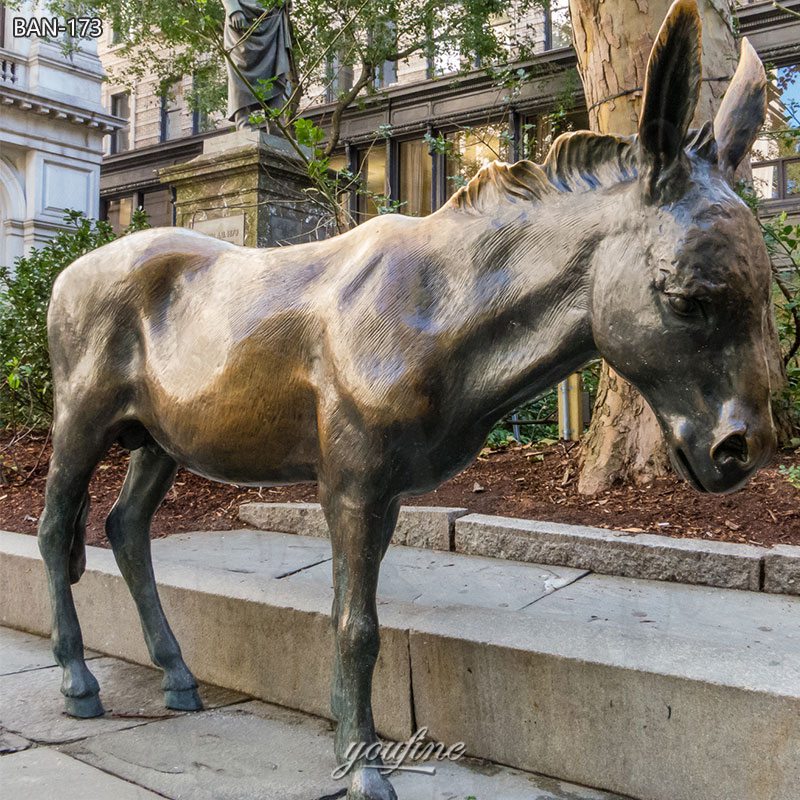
x=377 y=361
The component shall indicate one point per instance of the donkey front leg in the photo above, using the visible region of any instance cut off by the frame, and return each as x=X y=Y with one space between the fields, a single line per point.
x=359 y=534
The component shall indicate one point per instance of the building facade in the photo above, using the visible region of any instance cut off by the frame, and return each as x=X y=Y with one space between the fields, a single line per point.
x=429 y=129
x=52 y=127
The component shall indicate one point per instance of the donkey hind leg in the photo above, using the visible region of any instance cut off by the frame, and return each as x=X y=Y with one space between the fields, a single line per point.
x=77 y=552
x=150 y=475
x=75 y=455
x=359 y=535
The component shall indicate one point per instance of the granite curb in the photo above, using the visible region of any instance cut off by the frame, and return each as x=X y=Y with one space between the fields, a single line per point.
x=431 y=527
x=626 y=554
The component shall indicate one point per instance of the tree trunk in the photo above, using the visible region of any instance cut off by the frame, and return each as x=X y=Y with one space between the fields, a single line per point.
x=612 y=39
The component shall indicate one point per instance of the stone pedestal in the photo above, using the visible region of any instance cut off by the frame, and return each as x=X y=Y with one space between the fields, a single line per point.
x=248 y=187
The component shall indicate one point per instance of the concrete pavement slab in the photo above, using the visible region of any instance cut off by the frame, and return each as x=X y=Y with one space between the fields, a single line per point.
x=31 y=704
x=250 y=751
x=20 y=651
x=244 y=552
x=432 y=579
x=485 y=781
x=408 y=575
x=259 y=751
x=718 y=635
x=43 y=774
x=12 y=743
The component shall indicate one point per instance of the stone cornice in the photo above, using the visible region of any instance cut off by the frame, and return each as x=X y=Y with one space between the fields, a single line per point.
x=57 y=110
x=237 y=161
x=158 y=154
x=476 y=92
x=761 y=16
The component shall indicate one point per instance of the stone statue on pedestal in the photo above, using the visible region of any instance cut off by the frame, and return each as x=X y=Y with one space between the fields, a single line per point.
x=263 y=55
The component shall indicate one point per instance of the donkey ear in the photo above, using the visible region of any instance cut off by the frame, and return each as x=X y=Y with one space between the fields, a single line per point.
x=671 y=92
x=742 y=112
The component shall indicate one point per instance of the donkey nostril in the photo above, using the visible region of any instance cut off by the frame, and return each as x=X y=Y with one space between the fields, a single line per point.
x=731 y=447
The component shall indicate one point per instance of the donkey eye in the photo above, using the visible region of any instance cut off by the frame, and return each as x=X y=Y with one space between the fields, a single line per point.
x=685 y=306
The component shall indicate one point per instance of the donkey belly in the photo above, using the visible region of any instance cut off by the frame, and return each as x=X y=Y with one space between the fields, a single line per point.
x=253 y=422
x=254 y=441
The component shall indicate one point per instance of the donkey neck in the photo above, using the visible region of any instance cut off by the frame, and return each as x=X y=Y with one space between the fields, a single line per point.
x=523 y=280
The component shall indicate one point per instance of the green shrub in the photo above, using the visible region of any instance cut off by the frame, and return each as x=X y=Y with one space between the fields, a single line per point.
x=26 y=397
x=544 y=411
x=783 y=244
x=792 y=474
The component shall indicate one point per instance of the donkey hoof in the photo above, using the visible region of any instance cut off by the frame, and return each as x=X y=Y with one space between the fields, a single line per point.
x=84 y=707
x=369 y=784
x=183 y=700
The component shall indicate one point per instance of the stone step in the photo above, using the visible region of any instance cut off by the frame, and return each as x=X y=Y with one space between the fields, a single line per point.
x=238 y=749
x=650 y=689
x=628 y=554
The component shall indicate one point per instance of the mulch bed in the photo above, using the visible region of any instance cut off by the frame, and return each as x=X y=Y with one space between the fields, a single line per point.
x=537 y=482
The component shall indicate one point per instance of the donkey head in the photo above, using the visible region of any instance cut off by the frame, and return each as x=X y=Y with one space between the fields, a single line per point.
x=681 y=293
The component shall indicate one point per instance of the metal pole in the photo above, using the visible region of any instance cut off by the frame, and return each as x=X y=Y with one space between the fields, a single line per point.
x=570 y=408
x=515 y=429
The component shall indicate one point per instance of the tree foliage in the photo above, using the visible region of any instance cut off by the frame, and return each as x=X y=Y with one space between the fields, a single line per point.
x=26 y=396
x=174 y=38
x=783 y=244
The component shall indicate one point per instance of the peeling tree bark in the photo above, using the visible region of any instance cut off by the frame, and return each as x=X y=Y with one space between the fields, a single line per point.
x=612 y=39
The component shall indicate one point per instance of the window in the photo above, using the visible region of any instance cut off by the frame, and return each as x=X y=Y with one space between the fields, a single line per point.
x=386 y=74
x=557 y=26
x=2 y=24
x=444 y=60
x=119 y=212
x=776 y=153
x=338 y=78
x=444 y=52
x=473 y=148
x=416 y=177
x=120 y=107
x=384 y=36
x=340 y=163
x=539 y=131
x=158 y=207
x=373 y=175
x=171 y=112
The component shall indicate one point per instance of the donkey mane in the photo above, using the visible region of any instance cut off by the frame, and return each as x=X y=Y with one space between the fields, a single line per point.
x=578 y=161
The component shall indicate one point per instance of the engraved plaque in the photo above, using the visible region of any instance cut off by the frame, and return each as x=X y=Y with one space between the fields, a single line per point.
x=229 y=229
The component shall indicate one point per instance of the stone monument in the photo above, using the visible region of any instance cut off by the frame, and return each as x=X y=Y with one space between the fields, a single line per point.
x=249 y=187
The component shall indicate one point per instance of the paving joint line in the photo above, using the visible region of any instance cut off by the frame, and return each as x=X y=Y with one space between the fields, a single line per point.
x=118 y=777
x=48 y=666
x=558 y=589
x=301 y=569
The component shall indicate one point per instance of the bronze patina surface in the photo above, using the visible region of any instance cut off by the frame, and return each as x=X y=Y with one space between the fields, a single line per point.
x=376 y=362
